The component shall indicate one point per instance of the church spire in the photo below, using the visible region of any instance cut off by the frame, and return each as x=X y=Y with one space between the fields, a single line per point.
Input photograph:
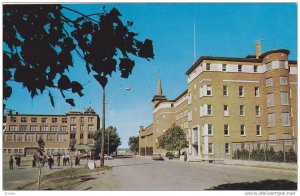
x=159 y=97
x=159 y=89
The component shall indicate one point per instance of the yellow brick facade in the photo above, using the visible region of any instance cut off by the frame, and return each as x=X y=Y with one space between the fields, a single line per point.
x=22 y=131
x=232 y=100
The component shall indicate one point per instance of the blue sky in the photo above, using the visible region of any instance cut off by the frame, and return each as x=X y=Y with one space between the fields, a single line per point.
x=222 y=29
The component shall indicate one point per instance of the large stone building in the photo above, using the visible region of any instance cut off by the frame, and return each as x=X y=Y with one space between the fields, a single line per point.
x=22 y=131
x=230 y=103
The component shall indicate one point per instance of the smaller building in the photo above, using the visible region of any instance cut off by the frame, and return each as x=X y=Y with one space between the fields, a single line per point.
x=146 y=140
x=22 y=131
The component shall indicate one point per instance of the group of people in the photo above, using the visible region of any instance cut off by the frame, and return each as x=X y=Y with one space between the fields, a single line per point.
x=11 y=161
x=43 y=160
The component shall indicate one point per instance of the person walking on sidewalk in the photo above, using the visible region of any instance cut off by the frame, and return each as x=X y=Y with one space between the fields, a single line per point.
x=50 y=162
x=11 y=163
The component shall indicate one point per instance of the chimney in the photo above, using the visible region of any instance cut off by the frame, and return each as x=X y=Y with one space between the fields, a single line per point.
x=258 y=49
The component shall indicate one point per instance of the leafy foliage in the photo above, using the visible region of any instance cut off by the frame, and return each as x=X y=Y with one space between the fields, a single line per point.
x=133 y=144
x=114 y=140
x=268 y=154
x=38 y=48
x=41 y=147
x=173 y=139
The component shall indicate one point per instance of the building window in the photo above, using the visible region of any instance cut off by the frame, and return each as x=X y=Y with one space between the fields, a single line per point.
x=226 y=130
x=281 y=64
x=54 y=120
x=73 y=127
x=44 y=120
x=223 y=67
x=81 y=127
x=269 y=66
x=242 y=110
x=209 y=110
x=269 y=82
x=257 y=111
x=210 y=129
x=63 y=128
x=91 y=128
x=272 y=139
x=283 y=80
x=73 y=119
x=227 y=151
x=82 y=119
x=34 y=128
x=285 y=119
x=210 y=148
x=190 y=99
x=226 y=110
x=23 y=119
x=22 y=127
x=242 y=129
x=13 y=119
x=256 y=91
x=271 y=119
x=13 y=127
x=54 y=128
x=287 y=139
x=44 y=128
x=207 y=66
x=190 y=116
x=270 y=99
x=81 y=136
x=240 y=68
x=90 y=119
x=90 y=136
x=225 y=91
x=51 y=138
x=209 y=90
x=258 y=130
x=255 y=69
x=34 y=119
x=72 y=136
x=30 y=137
x=241 y=91
x=64 y=120
x=284 y=98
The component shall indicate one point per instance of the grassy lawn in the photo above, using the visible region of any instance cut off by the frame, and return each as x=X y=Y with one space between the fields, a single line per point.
x=66 y=179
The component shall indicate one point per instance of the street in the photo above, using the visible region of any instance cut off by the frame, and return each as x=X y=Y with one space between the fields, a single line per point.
x=144 y=174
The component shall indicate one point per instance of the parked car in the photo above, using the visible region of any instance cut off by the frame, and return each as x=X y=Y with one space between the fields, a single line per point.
x=157 y=156
x=107 y=157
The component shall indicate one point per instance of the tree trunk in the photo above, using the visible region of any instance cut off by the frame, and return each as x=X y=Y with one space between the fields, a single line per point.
x=103 y=129
x=40 y=173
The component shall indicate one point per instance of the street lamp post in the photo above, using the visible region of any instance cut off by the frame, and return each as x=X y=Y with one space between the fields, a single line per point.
x=103 y=122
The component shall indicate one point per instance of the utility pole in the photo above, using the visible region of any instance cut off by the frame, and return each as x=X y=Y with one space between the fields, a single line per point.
x=103 y=129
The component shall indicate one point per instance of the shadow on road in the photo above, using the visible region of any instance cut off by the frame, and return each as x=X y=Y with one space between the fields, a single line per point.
x=260 y=185
x=131 y=165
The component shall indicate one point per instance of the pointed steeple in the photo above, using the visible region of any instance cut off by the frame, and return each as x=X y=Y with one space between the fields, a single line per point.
x=159 y=97
x=159 y=89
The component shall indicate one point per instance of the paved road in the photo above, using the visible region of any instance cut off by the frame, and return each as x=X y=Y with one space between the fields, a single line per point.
x=141 y=173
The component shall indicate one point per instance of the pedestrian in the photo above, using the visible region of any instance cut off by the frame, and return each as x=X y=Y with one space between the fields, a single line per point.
x=64 y=160
x=58 y=160
x=16 y=158
x=19 y=160
x=50 y=162
x=68 y=159
x=44 y=160
x=34 y=162
x=185 y=156
x=11 y=163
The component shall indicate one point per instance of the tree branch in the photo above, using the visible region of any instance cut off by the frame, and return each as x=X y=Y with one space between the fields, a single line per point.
x=80 y=14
